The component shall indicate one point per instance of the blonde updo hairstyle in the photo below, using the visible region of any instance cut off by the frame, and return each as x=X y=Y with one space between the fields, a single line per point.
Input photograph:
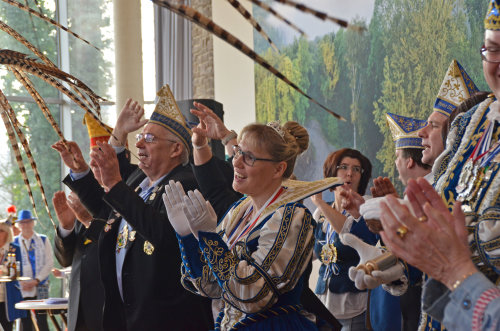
x=295 y=141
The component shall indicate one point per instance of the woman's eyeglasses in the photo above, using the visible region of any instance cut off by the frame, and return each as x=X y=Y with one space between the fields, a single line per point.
x=355 y=169
x=490 y=54
x=248 y=158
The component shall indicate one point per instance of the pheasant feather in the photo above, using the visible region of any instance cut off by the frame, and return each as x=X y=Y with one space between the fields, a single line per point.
x=321 y=15
x=15 y=147
x=273 y=12
x=209 y=25
x=46 y=60
x=45 y=18
x=246 y=14
x=4 y=27
x=28 y=85
x=21 y=61
x=24 y=142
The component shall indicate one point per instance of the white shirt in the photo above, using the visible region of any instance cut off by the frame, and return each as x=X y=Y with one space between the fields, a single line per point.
x=43 y=266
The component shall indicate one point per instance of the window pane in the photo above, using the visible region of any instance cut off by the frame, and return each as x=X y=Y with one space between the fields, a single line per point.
x=38 y=32
x=92 y=20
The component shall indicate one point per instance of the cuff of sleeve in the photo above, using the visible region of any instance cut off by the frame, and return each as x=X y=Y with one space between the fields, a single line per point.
x=78 y=175
x=191 y=255
x=348 y=224
x=118 y=149
x=435 y=297
x=210 y=243
x=463 y=302
x=63 y=232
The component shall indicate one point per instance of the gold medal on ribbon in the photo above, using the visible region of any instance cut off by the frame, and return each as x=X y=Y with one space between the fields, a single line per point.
x=328 y=254
x=148 y=248
x=131 y=236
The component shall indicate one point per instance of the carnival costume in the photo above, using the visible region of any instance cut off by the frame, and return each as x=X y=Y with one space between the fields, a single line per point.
x=468 y=170
x=144 y=293
x=334 y=288
x=256 y=268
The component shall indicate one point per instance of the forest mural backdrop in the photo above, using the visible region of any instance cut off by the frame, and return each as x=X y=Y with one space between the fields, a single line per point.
x=397 y=65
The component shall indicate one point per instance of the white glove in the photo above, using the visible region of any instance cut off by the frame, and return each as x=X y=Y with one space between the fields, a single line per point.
x=173 y=198
x=200 y=214
x=367 y=252
x=371 y=208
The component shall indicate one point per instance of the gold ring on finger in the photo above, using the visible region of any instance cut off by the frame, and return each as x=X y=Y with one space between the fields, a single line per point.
x=402 y=231
x=422 y=219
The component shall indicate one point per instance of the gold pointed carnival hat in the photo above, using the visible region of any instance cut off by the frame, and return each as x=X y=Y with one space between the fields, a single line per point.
x=96 y=131
x=404 y=130
x=456 y=88
x=492 y=19
x=168 y=115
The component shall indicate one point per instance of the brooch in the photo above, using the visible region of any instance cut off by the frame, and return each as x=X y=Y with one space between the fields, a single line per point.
x=328 y=254
x=148 y=248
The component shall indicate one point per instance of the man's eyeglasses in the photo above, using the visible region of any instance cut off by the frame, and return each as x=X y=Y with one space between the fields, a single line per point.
x=248 y=158
x=490 y=54
x=149 y=138
x=355 y=169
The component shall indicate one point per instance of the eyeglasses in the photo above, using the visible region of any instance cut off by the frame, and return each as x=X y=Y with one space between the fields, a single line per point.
x=248 y=158
x=355 y=169
x=149 y=138
x=491 y=55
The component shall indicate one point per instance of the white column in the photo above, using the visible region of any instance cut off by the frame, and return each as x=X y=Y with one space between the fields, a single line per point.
x=128 y=55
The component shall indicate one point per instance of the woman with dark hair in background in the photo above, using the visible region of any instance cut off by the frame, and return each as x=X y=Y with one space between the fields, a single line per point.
x=334 y=288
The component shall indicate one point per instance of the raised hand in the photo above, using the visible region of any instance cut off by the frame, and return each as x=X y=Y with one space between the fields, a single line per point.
x=128 y=121
x=71 y=155
x=200 y=214
x=81 y=213
x=173 y=198
x=106 y=162
x=212 y=126
x=383 y=186
x=351 y=201
x=64 y=214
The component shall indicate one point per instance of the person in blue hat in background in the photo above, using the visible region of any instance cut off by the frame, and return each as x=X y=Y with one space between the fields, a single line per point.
x=36 y=263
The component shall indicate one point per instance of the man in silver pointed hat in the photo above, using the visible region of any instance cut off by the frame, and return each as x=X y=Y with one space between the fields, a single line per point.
x=395 y=291
x=456 y=88
x=139 y=255
x=463 y=263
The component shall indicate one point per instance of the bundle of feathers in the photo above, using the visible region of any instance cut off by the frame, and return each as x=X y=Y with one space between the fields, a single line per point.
x=22 y=66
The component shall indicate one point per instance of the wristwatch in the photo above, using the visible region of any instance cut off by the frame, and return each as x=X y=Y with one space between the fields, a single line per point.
x=230 y=136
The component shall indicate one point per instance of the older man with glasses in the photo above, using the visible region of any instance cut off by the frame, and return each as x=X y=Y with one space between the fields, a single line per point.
x=139 y=255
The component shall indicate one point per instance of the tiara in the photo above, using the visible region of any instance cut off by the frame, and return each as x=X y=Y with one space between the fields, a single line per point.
x=276 y=126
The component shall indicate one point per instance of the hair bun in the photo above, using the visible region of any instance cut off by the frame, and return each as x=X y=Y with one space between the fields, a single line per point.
x=300 y=134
